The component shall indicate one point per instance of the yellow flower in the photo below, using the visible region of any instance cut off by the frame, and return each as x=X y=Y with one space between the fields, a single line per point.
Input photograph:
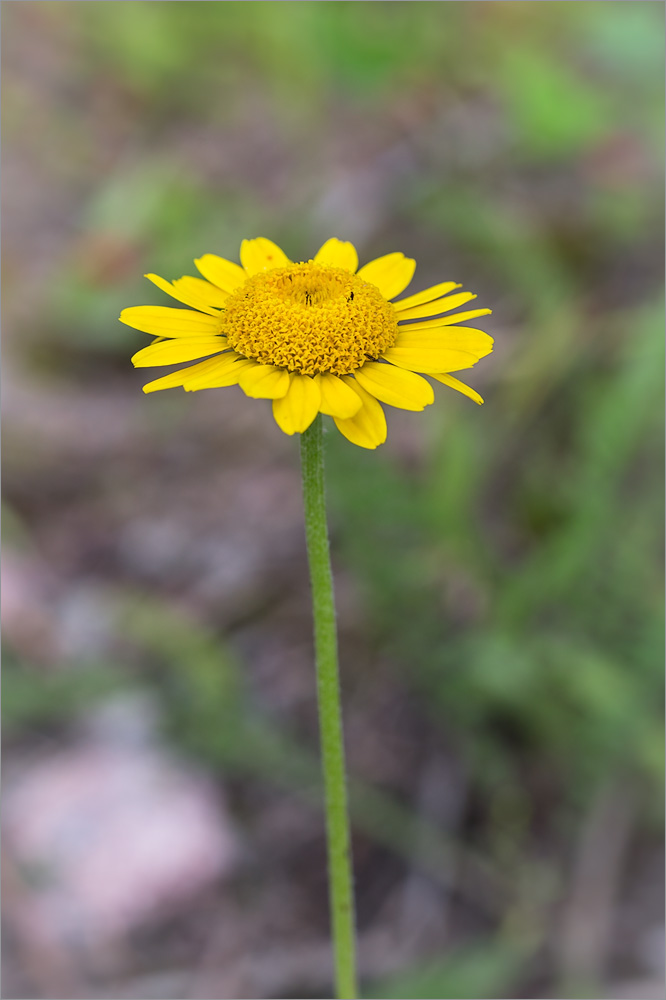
x=313 y=337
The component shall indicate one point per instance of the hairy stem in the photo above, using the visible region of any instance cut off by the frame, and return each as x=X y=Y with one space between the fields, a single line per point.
x=330 y=716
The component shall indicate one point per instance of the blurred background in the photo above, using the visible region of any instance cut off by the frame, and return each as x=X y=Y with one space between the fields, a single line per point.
x=498 y=568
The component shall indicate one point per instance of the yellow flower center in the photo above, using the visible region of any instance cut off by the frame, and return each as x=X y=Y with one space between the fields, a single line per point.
x=309 y=318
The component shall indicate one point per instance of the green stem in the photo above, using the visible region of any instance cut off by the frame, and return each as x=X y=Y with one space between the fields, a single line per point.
x=330 y=716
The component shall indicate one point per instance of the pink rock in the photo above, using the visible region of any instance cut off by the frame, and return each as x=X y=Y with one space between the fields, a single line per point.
x=110 y=838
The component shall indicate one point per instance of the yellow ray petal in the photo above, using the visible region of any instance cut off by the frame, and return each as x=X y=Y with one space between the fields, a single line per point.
x=337 y=399
x=391 y=273
x=430 y=359
x=265 y=382
x=456 y=338
x=166 y=321
x=261 y=255
x=441 y=321
x=192 y=372
x=205 y=291
x=172 y=381
x=454 y=383
x=171 y=352
x=182 y=294
x=438 y=306
x=395 y=386
x=427 y=295
x=338 y=254
x=223 y=273
x=228 y=372
x=296 y=410
x=367 y=428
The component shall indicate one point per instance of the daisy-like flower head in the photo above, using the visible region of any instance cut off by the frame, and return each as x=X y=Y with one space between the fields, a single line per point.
x=320 y=336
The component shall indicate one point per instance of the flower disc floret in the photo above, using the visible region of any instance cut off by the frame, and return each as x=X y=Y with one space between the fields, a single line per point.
x=309 y=318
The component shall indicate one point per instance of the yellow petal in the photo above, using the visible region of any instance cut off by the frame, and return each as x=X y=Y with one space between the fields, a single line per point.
x=261 y=255
x=223 y=273
x=367 y=428
x=428 y=295
x=171 y=352
x=165 y=321
x=338 y=254
x=295 y=411
x=227 y=373
x=175 y=379
x=436 y=324
x=265 y=382
x=172 y=381
x=429 y=359
x=454 y=383
x=337 y=399
x=395 y=386
x=438 y=306
x=456 y=338
x=204 y=290
x=391 y=274
x=181 y=294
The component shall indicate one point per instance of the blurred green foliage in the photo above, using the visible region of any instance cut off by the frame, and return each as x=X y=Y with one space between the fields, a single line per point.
x=510 y=571
x=30 y=707
x=484 y=971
